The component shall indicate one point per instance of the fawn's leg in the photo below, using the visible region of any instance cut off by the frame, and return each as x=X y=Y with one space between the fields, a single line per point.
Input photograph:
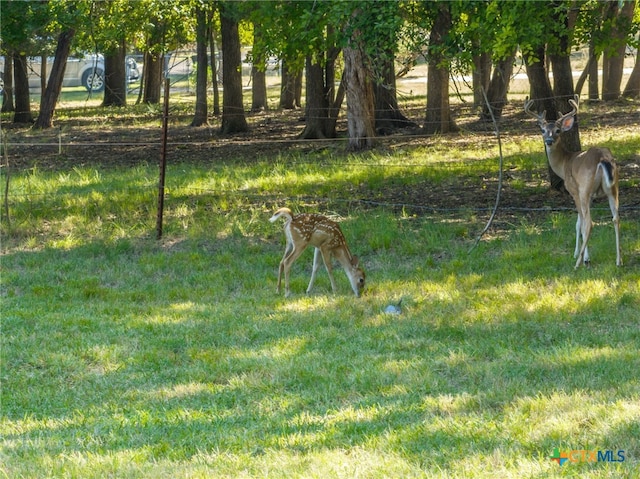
x=326 y=257
x=314 y=271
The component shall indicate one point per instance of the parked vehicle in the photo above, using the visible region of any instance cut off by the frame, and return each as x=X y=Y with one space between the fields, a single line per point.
x=86 y=71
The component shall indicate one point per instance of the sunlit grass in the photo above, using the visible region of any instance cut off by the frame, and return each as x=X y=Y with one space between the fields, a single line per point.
x=123 y=356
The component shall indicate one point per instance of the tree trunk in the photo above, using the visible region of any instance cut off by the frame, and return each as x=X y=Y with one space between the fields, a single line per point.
x=387 y=112
x=539 y=85
x=200 y=115
x=336 y=106
x=317 y=124
x=540 y=90
x=297 y=90
x=54 y=85
x=632 y=90
x=233 y=117
x=498 y=88
x=438 y=117
x=258 y=89
x=258 y=73
x=481 y=78
x=612 y=75
x=7 y=91
x=214 y=70
x=153 y=66
x=287 y=87
x=613 y=64
x=360 y=101
x=563 y=91
x=22 y=112
x=43 y=73
x=115 y=77
x=585 y=74
x=594 y=88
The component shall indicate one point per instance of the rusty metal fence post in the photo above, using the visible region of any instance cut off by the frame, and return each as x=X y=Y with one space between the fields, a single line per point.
x=163 y=160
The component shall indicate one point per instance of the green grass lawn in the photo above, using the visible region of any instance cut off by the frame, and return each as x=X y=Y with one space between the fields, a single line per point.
x=123 y=356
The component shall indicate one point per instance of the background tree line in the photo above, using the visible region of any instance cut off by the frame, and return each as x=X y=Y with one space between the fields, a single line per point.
x=346 y=50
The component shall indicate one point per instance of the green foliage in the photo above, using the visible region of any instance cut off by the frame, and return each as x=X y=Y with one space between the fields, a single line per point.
x=21 y=24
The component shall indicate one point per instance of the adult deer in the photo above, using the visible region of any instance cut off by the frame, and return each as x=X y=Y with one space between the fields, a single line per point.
x=326 y=236
x=586 y=174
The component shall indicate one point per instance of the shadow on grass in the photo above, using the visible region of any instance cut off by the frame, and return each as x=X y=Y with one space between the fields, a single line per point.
x=176 y=350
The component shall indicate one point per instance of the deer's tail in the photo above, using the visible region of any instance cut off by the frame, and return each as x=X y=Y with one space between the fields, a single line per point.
x=607 y=170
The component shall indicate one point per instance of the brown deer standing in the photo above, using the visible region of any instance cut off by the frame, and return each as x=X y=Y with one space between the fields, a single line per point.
x=325 y=235
x=586 y=174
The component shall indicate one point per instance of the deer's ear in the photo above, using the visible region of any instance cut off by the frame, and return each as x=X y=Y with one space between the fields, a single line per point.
x=355 y=261
x=567 y=123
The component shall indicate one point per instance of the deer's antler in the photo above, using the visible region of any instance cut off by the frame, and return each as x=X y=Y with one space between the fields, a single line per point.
x=527 y=108
x=574 y=110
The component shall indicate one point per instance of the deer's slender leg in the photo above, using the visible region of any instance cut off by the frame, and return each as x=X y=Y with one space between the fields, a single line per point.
x=314 y=271
x=287 y=251
x=578 y=233
x=286 y=265
x=613 y=205
x=326 y=257
x=586 y=224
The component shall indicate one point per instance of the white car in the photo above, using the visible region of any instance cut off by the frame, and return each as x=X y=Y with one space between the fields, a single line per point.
x=87 y=71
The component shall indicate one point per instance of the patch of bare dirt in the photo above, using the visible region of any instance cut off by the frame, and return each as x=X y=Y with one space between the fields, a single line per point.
x=105 y=143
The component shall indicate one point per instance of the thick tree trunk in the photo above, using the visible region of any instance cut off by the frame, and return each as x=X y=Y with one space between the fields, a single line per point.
x=438 y=116
x=481 y=78
x=613 y=63
x=498 y=88
x=22 y=112
x=632 y=90
x=322 y=107
x=317 y=124
x=612 y=75
x=540 y=90
x=360 y=101
x=54 y=85
x=563 y=92
x=153 y=66
x=539 y=85
x=233 y=117
x=387 y=112
x=200 y=114
x=115 y=77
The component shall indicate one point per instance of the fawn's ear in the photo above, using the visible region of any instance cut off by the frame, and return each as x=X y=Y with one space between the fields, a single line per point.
x=567 y=123
x=354 y=261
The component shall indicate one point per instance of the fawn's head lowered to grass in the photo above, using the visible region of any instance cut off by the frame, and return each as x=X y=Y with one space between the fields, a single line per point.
x=326 y=236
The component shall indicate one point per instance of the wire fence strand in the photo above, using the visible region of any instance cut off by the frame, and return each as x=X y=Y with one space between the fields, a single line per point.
x=474 y=128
